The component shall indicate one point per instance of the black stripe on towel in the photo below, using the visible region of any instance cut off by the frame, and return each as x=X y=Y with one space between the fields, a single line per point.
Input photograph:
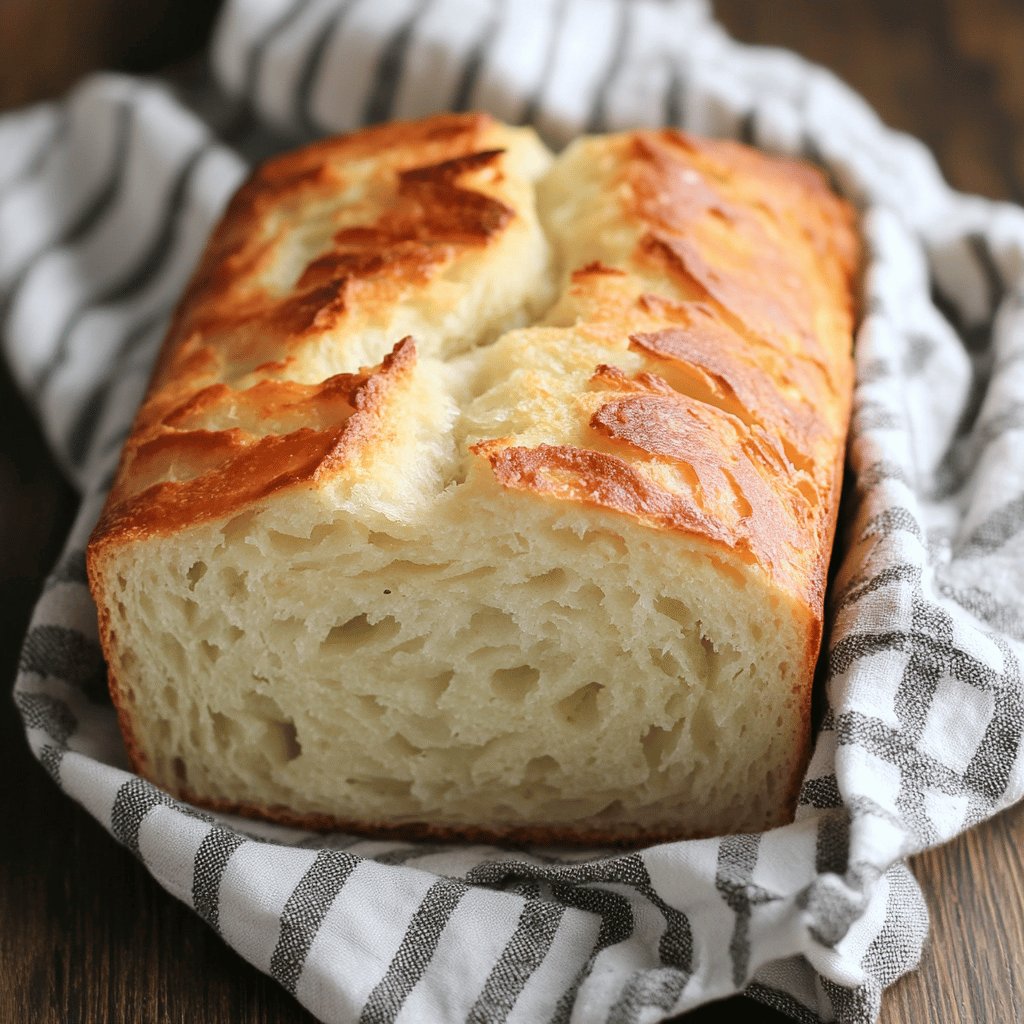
x=477 y=57
x=83 y=430
x=70 y=569
x=529 y=115
x=211 y=861
x=134 y=800
x=34 y=162
x=737 y=858
x=387 y=76
x=253 y=76
x=304 y=912
x=978 y=246
x=674 y=113
x=655 y=988
x=134 y=278
x=658 y=988
x=59 y=652
x=50 y=714
x=89 y=216
x=309 y=77
x=415 y=952
x=617 y=924
x=523 y=954
x=597 y=120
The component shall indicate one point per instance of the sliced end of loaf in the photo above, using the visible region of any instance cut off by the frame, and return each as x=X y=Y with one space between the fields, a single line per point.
x=355 y=670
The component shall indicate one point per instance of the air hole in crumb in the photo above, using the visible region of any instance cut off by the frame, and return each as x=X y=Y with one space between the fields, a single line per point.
x=676 y=705
x=469 y=576
x=412 y=646
x=370 y=706
x=809 y=491
x=180 y=771
x=434 y=687
x=383 y=541
x=281 y=632
x=613 y=811
x=173 y=652
x=225 y=730
x=493 y=624
x=211 y=652
x=287 y=543
x=674 y=610
x=580 y=708
x=358 y=631
x=515 y=683
x=195 y=573
x=458 y=474
x=539 y=769
x=238 y=528
x=555 y=578
x=704 y=730
x=399 y=745
x=589 y=597
x=285 y=741
x=723 y=568
x=482 y=658
x=190 y=611
x=612 y=543
x=666 y=662
x=389 y=789
x=320 y=533
x=657 y=742
x=402 y=567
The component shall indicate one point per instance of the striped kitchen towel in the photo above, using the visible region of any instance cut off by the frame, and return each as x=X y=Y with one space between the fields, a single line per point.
x=105 y=201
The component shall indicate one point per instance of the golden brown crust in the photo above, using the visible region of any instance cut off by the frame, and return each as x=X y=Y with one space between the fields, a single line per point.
x=732 y=431
x=220 y=471
x=221 y=408
x=586 y=835
x=413 y=216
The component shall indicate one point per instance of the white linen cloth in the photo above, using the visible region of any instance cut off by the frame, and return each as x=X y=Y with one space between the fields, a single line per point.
x=105 y=202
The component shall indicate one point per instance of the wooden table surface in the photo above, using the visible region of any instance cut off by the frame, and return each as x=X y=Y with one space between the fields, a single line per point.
x=86 y=935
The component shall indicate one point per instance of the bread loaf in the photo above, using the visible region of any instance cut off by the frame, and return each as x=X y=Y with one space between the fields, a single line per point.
x=479 y=493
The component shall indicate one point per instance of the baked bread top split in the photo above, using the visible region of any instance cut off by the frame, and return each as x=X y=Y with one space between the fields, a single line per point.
x=335 y=268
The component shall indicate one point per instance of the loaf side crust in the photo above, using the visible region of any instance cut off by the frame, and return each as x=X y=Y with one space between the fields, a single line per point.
x=426 y=314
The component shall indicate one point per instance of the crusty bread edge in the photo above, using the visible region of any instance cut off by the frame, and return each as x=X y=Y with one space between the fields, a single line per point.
x=516 y=835
x=519 y=835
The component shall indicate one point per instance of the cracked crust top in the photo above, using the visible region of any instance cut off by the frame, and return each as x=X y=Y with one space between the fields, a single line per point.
x=725 y=275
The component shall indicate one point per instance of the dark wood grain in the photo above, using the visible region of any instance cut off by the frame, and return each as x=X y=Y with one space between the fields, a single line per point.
x=47 y=45
x=85 y=934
